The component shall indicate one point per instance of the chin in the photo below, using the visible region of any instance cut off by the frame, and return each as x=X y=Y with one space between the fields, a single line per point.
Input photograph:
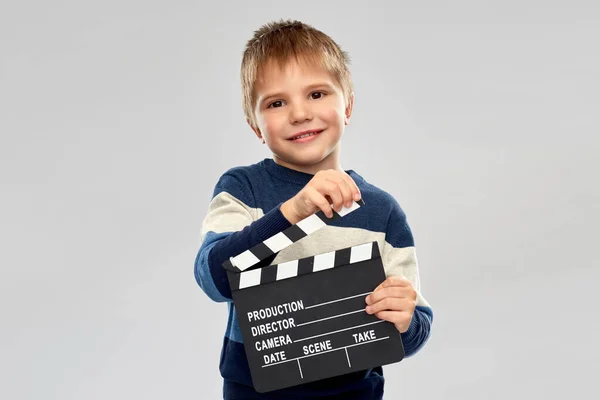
x=309 y=160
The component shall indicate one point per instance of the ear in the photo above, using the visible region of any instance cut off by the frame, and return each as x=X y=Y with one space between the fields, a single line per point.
x=349 y=107
x=257 y=131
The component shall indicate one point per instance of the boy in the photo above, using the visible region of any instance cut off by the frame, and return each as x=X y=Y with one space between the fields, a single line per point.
x=297 y=97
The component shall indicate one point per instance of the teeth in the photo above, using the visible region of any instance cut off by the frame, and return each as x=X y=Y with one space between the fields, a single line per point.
x=305 y=135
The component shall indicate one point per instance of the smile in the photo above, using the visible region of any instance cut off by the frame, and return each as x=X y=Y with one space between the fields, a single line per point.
x=306 y=135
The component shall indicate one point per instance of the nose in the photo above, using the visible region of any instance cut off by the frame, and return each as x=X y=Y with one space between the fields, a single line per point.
x=300 y=112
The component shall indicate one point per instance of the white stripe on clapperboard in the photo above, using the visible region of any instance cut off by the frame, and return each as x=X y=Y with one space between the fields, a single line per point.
x=280 y=241
x=322 y=262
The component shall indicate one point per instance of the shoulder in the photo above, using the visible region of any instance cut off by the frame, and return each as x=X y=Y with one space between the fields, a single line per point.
x=243 y=172
x=383 y=213
x=239 y=182
x=381 y=201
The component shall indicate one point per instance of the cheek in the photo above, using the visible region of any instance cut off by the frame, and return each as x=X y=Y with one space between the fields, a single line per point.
x=334 y=115
x=333 y=112
x=270 y=127
x=269 y=124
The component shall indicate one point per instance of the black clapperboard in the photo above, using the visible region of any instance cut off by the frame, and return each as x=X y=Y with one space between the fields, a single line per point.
x=305 y=320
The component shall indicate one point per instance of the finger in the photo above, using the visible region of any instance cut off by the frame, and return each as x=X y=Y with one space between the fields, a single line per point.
x=349 y=189
x=346 y=181
x=337 y=179
x=356 y=194
x=391 y=291
x=333 y=191
x=389 y=304
x=398 y=318
x=394 y=280
x=320 y=201
x=346 y=191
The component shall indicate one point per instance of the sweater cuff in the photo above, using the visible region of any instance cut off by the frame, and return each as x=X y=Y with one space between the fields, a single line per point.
x=411 y=333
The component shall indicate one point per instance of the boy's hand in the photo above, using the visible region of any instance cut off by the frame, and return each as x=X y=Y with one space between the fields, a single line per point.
x=325 y=188
x=394 y=301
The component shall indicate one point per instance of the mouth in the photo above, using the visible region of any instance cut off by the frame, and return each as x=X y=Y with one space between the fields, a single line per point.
x=306 y=134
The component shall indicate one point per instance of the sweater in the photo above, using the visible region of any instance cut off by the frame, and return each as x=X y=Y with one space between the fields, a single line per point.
x=245 y=210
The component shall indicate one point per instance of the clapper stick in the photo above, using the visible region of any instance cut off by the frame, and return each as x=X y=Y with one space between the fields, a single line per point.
x=304 y=320
x=284 y=239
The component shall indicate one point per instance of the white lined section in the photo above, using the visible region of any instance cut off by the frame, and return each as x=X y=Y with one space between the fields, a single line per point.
x=250 y=278
x=311 y=224
x=361 y=253
x=245 y=260
x=324 y=261
x=335 y=301
x=347 y=357
x=327 y=351
x=339 y=330
x=345 y=211
x=226 y=213
x=287 y=269
x=300 y=368
x=333 y=316
x=278 y=242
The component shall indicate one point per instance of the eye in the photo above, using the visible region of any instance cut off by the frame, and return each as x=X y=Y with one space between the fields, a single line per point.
x=317 y=95
x=275 y=104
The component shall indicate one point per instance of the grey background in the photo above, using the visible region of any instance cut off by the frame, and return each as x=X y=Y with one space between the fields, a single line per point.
x=117 y=118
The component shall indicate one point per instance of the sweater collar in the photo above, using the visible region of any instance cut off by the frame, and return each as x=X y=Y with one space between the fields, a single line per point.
x=291 y=175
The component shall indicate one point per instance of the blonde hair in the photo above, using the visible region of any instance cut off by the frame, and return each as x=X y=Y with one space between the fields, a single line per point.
x=282 y=41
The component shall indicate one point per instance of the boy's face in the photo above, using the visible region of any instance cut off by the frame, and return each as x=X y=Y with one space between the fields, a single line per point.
x=299 y=100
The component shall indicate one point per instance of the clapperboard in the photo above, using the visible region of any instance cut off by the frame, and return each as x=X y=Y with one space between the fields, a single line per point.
x=305 y=320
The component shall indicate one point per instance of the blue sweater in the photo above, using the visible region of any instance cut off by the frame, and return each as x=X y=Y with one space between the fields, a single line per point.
x=245 y=210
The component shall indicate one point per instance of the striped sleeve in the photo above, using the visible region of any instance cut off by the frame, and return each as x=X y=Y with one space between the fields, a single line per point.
x=399 y=258
x=230 y=227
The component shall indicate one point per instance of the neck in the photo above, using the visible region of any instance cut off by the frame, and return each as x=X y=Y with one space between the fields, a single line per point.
x=332 y=161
